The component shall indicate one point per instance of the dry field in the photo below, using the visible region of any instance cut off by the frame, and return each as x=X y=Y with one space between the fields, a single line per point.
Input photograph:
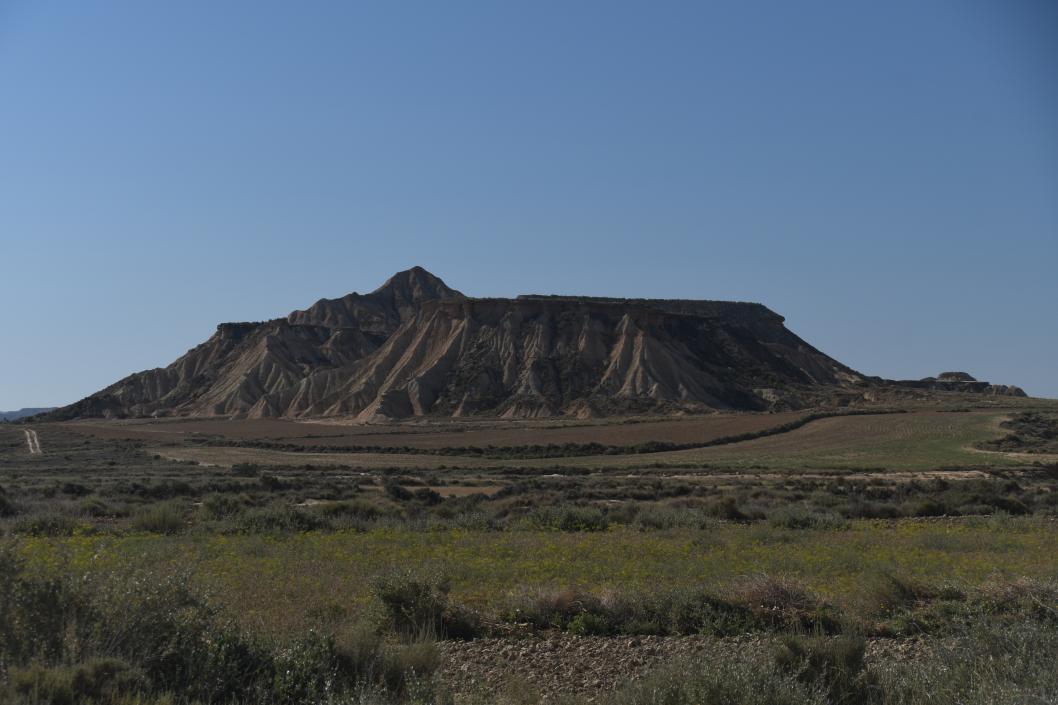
x=892 y=525
x=910 y=442
x=445 y=434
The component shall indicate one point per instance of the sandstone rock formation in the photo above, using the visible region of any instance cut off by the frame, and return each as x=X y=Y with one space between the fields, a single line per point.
x=416 y=347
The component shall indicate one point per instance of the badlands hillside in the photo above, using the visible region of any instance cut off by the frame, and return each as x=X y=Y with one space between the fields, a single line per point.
x=416 y=347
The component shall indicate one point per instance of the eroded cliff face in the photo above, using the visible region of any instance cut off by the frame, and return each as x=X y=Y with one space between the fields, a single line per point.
x=416 y=347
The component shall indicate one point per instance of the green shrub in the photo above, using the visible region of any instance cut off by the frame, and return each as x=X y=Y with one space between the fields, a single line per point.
x=724 y=678
x=687 y=611
x=159 y=518
x=796 y=518
x=308 y=671
x=728 y=509
x=834 y=665
x=45 y=525
x=281 y=520
x=588 y=624
x=986 y=664
x=354 y=509
x=96 y=680
x=395 y=491
x=888 y=593
x=460 y=622
x=222 y=506
x=414 y=604
x=409 y=667
x=779 y=602
x=95 y=508
x=571 y=518
x=654 y=518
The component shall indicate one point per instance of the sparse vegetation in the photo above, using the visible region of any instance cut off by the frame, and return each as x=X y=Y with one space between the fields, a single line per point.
x=323 y=580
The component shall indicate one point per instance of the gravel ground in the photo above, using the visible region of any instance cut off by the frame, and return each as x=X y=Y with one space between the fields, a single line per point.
x=561 y=664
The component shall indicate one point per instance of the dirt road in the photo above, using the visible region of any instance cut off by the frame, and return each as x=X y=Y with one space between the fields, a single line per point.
x=33 y=442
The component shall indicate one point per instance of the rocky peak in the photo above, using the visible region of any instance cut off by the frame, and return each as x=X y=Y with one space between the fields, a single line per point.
x=413 y=286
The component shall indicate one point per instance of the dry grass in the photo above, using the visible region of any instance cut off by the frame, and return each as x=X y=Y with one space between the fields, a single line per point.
x=446 y=434
x=919 y=441
x=283 y=584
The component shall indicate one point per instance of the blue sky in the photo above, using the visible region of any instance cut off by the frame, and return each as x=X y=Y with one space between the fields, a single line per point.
x=885 y=175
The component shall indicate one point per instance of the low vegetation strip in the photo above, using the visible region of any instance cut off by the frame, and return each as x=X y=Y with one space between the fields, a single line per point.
x=1029 y=432
x=109 y=632
x=150 y=635
x=533 y=451
x=332 y=574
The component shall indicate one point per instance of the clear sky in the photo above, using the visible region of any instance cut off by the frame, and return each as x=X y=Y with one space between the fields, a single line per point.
x=883 y=174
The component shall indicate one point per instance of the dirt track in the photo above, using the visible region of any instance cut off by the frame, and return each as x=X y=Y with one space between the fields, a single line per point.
x=33 y=442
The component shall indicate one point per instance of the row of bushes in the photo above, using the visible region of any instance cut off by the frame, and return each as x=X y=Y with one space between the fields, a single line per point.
x=223 y=514
x=887 y=605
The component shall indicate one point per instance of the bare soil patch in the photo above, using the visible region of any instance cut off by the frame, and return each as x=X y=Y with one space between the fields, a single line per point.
x=559 y=665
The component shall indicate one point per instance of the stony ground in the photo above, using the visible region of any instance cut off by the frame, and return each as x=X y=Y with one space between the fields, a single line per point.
x=556 y=665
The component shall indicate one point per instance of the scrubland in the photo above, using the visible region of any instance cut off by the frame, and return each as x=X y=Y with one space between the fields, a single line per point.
x=885 y=558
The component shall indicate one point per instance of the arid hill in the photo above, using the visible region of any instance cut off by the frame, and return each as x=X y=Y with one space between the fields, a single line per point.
x=23 y=413
x=415 y=347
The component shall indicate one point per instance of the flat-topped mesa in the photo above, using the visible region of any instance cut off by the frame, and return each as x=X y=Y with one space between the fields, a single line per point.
x=416 y=347
x=961 y=382
x=956 y=377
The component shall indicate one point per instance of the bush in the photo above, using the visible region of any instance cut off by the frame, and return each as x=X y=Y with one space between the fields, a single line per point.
x=571 y=518
x=159 y=518
x=308 y=671
x=780 y=602
x=415 y=605
x=45 y=525
x=283 y=520
x=986 y=664
x=834 y=665
x=95 y=508
x=795 y=518
x=546 y=609
x=460 y=622
x=728 y=509
x=656 y=612
x=395 y=491
x=408 y=668
x=588 y=624
x=246 y=470
x=427 y=496
x=222 y=506
x=724 y=679
x=96 y=680
x=655 y=518
x=886 y=594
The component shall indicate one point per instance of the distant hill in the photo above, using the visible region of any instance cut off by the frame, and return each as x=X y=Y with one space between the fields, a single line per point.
x=416 y=347
x=21 y=413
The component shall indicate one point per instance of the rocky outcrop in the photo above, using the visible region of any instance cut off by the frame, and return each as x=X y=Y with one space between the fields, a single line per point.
x=962 y=382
